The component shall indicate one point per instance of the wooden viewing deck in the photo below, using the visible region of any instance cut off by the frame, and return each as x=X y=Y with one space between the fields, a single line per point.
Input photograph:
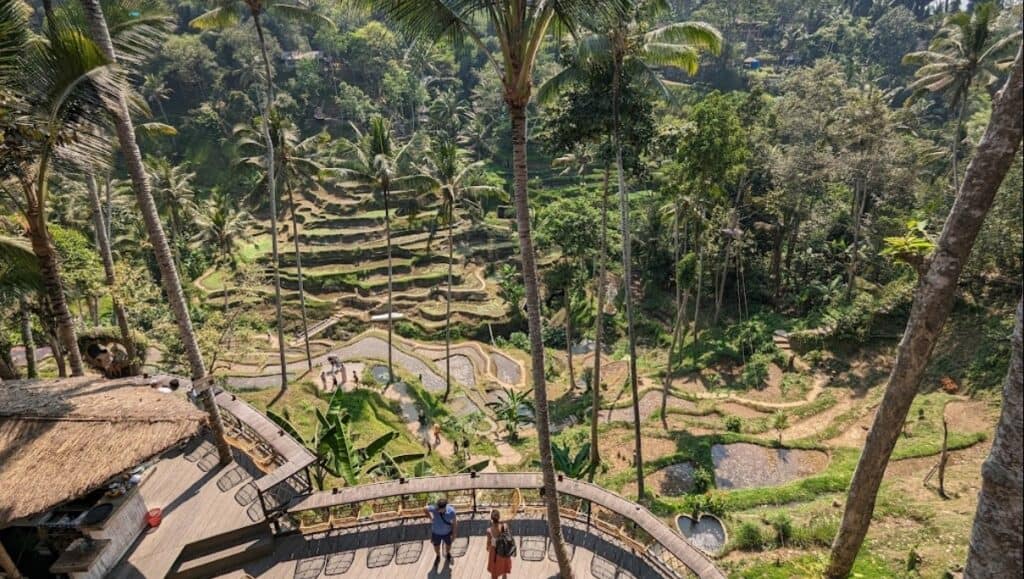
x=402 y=550
x=662 y=538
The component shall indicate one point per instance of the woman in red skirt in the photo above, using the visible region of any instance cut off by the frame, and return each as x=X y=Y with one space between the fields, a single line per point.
x=498 y=565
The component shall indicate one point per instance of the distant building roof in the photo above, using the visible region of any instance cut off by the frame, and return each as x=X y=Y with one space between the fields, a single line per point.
x=61 y=439
x=293 y=55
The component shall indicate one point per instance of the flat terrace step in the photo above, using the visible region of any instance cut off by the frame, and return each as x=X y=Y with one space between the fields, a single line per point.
x=222 y=553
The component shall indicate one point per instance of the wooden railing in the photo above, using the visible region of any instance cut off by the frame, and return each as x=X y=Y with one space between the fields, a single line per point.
x=631 y=525
x=283 y=459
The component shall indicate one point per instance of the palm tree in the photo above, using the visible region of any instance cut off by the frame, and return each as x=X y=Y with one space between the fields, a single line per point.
x=451 y=178
x=963 y=51
x=175 y=198
x=222 y=225
x=55 y=91
x=996 y=537
x=373 y=159
x=103 y=245
x=227 y=13
x=520 y=28
x=296 y=163
x=20 y=276
x=152 y=27
x=624 y=43
x=154 y=89
x=513 y=409
x=933 y=301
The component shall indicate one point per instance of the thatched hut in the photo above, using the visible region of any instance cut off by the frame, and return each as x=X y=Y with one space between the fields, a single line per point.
x=67 y=447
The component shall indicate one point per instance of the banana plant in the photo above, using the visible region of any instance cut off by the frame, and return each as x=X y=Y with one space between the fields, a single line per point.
x=337 y=453
x=575 y=466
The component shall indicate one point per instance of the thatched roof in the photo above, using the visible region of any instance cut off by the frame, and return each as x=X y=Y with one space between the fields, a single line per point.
x=61 y=439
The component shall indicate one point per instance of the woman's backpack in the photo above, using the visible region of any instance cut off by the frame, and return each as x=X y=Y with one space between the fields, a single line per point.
x=505 y=544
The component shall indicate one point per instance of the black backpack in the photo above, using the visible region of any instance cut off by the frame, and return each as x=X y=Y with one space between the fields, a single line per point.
x=505 y=544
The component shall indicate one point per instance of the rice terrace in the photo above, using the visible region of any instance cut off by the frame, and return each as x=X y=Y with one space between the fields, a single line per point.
x=617 y=289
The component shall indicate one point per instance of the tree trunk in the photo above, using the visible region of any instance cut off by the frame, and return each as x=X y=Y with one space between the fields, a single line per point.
x=391 y=313
x=8 y=371
x=678 y=318
x=54 y=286
x=31 y=371
x=568 y=341
x=448 y=309
x=517 y=112
x=103 y=244
x=595 y=394
x=627 y=269
x=272 y=193
x=943 y=458
x=932 y=304
x=298 y=272
x=860 y=199
x=775 y=270
x=720 y=282
x=997 y=539
x=956 y=137
x=164 y=258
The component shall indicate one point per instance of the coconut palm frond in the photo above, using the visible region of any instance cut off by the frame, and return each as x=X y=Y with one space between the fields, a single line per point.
x=218 y=18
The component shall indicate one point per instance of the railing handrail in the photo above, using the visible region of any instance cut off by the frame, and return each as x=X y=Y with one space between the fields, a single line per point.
x=672 y=542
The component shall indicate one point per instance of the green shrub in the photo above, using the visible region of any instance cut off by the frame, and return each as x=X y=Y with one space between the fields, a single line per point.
x=702 y=480
x=818 y=533
x=733 y=423
x=516 y=339
x=749 y=537
x=755 y=371
x=798 y=383
x=709 y=503
x=782 y=525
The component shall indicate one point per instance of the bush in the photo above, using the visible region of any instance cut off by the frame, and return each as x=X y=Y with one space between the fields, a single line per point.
x=516 y=339
x=709 y=503
x=755 y=371
x=783 y=527
x=749 y=537
x=554 y=337
x=733 y=423
x=702 y=480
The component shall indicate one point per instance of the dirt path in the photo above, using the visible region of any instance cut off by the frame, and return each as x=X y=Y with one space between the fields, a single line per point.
x=817 y=423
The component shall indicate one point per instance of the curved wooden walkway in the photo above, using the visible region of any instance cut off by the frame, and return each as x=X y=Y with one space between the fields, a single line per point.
x=673 y=543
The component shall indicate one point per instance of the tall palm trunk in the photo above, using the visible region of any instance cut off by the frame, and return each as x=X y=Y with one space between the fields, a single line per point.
x=103 y=244
x=298 y=272
x=31 y=371
x=997 y=539
x=391 y=313
x=933 y=301
x=43 y=248
x=448 y=310
x=627 y=269
x=164 y=258
x=568 y=339
x=676 y=326
x=860 y=199
x=961 y=113
x=517 y=112
x=595 y=392
x=272 y=193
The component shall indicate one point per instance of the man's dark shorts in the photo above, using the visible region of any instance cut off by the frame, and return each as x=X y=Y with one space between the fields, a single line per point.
x=436 y=539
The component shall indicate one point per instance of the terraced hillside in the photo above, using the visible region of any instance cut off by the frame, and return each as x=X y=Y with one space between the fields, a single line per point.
x=343 y=245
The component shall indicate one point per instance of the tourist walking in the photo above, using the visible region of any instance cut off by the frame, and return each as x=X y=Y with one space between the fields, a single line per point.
x=501 y=547
x=437 y=434
x=443 y=526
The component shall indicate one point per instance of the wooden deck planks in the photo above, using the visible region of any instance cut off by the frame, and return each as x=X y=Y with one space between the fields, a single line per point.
x=193 y=508
x=291 y=550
